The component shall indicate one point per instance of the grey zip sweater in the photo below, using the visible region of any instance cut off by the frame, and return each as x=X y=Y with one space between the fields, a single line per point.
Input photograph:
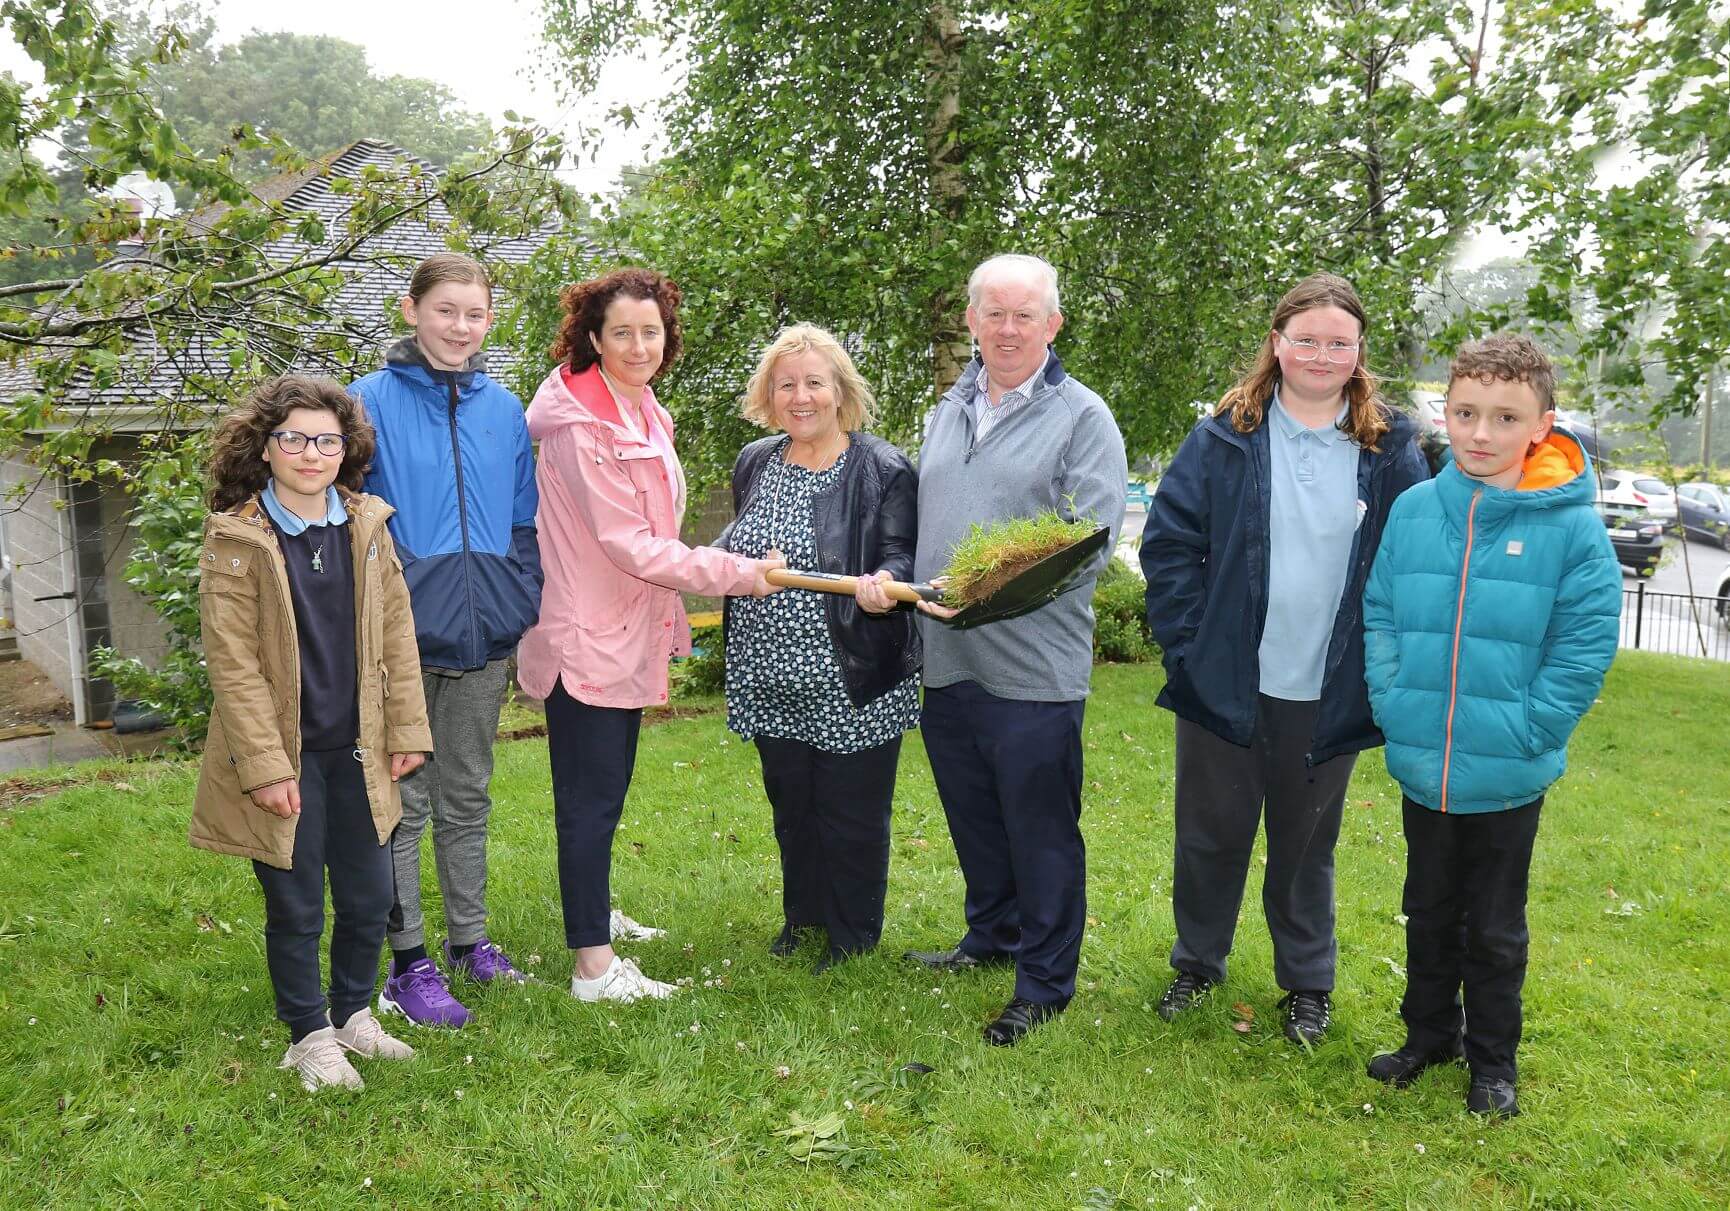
x=1060 y=450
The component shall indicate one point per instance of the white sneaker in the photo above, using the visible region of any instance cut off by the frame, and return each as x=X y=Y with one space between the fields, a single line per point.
x=319 y=1060
x=363 y=1035
x=622 y=981
x=623 y=929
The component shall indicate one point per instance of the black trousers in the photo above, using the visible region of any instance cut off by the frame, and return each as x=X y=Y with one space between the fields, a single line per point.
x=1465 y=906
x=1009 y=775
x=831 y=815
x=1222 y=791
x=593 y=751
x=335 y=831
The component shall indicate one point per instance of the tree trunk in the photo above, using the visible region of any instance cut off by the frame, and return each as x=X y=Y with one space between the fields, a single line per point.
x=944 y=41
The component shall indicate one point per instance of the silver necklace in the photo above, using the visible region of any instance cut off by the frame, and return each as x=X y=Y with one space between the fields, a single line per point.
x=318 y=558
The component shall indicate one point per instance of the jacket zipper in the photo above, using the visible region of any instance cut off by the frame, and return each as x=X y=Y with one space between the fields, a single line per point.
x=1454 y=660
x=462 y=509
x=1360 y=577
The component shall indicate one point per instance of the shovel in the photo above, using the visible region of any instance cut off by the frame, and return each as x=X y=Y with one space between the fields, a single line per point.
x=1027 y=589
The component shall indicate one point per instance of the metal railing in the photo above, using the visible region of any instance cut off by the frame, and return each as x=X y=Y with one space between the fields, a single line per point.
x=1677 y=623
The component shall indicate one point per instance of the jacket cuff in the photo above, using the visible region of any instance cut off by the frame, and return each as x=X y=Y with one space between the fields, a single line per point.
x=270 y=766
x=408 y=738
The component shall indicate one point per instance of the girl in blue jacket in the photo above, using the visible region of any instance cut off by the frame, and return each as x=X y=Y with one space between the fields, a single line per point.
x=1490 y=618
x=454 y=459
x=1255 y=551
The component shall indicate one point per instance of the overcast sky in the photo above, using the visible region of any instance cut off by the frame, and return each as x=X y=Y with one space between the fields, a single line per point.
x=487 y=53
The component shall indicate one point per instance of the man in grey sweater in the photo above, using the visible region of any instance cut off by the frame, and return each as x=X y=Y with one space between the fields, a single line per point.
x=1014 y=437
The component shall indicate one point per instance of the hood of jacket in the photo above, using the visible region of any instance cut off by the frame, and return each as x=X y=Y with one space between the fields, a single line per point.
x=1558 y=473
x=584 y=398
x=408 y=360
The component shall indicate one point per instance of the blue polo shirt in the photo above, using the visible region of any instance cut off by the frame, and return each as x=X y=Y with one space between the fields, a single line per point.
x=1313 y=518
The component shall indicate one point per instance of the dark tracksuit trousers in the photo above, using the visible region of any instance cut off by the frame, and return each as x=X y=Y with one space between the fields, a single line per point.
x=831 y=815
x=1222 y=790
x=335 y=831
x=1465 y=906
x=593 y=751
x=1009 y=774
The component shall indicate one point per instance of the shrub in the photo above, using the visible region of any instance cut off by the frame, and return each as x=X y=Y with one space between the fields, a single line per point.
x=169 y=516
x=705 y=675
x=1120 y=633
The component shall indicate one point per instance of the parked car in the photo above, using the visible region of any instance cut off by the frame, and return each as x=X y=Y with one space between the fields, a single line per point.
x=1637 y=538
x=1641 y=491
x=1704 y=510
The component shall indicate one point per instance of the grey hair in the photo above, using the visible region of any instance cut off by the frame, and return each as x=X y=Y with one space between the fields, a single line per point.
x=1020 y=262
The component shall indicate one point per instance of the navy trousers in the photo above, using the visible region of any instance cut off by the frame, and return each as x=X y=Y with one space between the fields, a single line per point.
x=1465 y=906
x=831 y=815
x=334 y=831
x=593 y=750
x=1009 y=775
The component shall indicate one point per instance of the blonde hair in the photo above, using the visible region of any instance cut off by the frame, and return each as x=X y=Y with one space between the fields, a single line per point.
x=1247 y=401
x=855 y=397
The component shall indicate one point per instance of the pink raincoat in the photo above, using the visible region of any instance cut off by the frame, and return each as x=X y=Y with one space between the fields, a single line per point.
x=608 y=526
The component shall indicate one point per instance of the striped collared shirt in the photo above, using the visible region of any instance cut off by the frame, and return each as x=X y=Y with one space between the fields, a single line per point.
x=986 y=414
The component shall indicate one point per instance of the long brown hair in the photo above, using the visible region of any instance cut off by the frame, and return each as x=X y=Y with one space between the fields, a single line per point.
x=1247 y=401
x=237 y=467
x=585 y=307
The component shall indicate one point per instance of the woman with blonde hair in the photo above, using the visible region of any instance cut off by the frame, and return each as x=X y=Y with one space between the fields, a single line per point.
x=1256 y=549
x=825 y=685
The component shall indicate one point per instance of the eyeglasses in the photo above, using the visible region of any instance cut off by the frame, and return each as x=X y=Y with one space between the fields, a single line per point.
x=1338 y=352
x=291 y=442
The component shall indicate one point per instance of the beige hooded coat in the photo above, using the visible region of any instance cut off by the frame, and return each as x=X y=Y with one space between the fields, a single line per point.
x=252 y=652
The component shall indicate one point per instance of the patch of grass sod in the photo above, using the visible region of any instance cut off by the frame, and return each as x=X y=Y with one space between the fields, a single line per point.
x=138 y=1049
x=992 y=556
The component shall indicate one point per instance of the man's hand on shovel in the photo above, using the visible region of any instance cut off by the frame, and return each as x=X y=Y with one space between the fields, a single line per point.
x=943 y=613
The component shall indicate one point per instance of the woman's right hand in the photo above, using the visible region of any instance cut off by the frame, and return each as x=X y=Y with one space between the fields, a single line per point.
x=772 y=560
x=279 y=798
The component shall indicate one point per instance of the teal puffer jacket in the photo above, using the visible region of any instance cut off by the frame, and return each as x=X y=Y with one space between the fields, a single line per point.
x=1490 y=618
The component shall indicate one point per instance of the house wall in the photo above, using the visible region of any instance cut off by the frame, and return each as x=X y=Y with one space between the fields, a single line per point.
x=41 y=524
x=36 y=541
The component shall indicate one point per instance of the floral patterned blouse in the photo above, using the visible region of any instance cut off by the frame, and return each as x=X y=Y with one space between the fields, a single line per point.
x=783 y=679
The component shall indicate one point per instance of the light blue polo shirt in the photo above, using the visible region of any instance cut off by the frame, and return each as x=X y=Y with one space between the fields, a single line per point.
x=1313 y=517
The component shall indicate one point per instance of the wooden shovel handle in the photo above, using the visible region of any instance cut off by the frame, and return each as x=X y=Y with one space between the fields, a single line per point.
x=831 y=582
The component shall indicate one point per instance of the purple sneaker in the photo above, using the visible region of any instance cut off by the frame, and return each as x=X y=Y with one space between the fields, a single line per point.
x=485 y=963
x=421 y=995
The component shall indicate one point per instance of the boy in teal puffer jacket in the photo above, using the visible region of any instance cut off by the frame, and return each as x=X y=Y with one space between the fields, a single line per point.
x=1490 y=617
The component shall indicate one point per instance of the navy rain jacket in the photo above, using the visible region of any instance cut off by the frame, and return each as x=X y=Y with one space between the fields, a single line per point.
x=1204 y=551
x=454 y=459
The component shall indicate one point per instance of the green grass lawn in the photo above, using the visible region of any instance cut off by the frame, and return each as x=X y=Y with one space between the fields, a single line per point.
x=138 y=1048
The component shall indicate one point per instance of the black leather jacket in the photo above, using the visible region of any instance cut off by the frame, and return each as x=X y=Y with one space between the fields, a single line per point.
x=866 y=522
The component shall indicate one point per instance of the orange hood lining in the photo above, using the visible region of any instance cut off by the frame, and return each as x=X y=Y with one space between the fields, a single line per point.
x=1552 y=463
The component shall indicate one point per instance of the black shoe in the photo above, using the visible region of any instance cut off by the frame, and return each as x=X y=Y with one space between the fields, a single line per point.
x=1017 y=1018
x=1492 y=1096
x=1400 y=1068
x=1307 y=1015
x=955 y=960
x=1183 y=993
x=787 y=941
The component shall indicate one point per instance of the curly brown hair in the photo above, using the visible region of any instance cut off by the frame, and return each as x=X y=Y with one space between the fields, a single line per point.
x=1510 y=357
x=238 y=471
x=585 y=305
x=1246 y=403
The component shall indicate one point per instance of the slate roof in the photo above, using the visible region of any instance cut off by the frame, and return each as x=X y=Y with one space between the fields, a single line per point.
x=365 y=303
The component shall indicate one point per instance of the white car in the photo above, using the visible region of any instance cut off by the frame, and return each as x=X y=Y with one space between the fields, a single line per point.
x=1636 y=488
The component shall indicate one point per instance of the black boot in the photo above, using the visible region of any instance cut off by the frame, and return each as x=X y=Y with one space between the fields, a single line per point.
x=1492 y=1096
x=1400 y=1068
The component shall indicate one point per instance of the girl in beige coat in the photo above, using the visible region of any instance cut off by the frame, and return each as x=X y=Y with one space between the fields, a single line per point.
x=318 y=709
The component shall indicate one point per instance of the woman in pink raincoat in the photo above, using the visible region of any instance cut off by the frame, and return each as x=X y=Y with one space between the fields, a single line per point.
x=612 y=496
